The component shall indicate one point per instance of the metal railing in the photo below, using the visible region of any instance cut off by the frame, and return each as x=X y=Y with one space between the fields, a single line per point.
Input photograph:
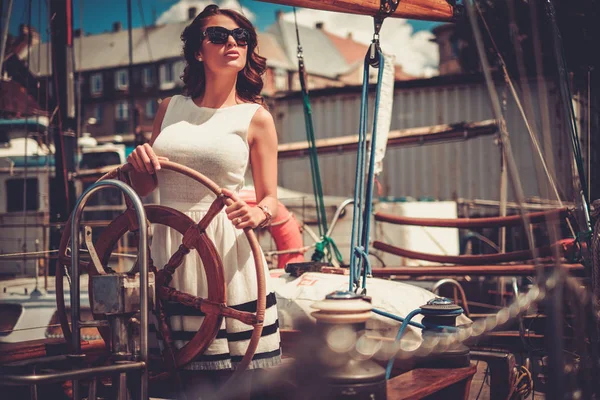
x=76 y=374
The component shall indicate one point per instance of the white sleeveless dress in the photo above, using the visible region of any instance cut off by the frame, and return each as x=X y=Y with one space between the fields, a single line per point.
x=213 y=142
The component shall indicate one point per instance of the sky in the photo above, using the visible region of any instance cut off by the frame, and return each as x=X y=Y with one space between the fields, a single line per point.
x=408 y=41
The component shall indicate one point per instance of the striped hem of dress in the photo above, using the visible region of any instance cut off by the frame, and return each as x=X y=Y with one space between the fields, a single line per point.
x=228 y=362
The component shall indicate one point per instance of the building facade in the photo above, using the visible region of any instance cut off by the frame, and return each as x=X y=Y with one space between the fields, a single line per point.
x=105 y=87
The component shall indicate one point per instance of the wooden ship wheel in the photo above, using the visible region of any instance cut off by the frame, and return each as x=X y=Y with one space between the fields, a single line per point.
x=194 y=238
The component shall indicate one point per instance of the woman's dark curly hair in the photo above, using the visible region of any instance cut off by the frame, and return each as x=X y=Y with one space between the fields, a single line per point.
x=249 y=83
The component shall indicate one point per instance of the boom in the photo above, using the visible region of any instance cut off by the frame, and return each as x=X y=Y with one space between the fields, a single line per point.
x=428 y=10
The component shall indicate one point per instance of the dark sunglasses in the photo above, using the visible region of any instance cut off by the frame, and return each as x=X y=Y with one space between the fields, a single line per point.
x=220 y=35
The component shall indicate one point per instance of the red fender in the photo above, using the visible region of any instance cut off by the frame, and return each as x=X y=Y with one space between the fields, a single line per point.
x=285 y=231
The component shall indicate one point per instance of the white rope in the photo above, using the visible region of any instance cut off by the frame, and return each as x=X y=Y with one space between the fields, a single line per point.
x=30 y=328
x=28 y=253
x=300 y=250
x=35 y=253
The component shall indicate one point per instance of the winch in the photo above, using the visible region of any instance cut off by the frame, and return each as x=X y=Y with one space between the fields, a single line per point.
x=341 y=318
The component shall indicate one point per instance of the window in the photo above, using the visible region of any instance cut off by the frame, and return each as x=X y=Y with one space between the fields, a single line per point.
x=96 y=84
x=122 y=111
x=281 y=79
x=99 y=159
x=148 y=77
x=121 y=79
x=15 y=192
x=97 y=113
x=178 y=68
x=150 y=108
x=166 y=76
x=4 y=140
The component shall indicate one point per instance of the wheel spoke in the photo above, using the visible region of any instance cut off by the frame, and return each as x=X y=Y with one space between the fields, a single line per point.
x=165 y=275
x=132 y=225
x=214 y=209
x=66 y=261
x=166 y=293
x=209 y=307
x=92 y=251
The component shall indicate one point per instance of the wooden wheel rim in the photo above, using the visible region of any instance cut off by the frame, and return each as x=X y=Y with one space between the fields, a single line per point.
x=152 y=212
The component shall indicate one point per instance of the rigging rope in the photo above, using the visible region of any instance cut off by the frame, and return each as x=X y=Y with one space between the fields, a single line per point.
x=363 y=191
x=565 y=90
x=513 y=91
x=325 y=242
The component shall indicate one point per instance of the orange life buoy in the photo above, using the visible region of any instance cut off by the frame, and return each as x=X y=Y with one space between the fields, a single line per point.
x=284 y=229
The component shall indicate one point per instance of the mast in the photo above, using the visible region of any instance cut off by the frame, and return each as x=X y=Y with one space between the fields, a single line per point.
x=132 y=113
x=62 y=124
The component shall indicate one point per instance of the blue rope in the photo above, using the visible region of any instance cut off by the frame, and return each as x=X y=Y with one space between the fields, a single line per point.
x=419 y=325
x=390 y=365
x=363 y=194
x=371 y=175
x=397 y=318
x=407 y=321
x=359 y=181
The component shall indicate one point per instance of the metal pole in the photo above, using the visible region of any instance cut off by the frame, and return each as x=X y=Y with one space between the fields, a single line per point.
x=143 y=262
x=503 y=200
x=59 y=26
x=132 y=111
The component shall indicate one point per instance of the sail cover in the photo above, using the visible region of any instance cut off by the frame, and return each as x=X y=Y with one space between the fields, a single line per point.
x=384 y=114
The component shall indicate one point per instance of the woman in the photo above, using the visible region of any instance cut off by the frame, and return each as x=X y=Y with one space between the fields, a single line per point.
x=217 y=128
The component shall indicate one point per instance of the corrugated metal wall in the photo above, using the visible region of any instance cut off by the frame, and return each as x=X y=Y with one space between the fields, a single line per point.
x=464 y=169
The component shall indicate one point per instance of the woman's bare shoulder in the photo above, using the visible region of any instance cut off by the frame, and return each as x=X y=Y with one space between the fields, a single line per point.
x=262 y=126
x=158 y=118
x=162 y=106
x=262 y=118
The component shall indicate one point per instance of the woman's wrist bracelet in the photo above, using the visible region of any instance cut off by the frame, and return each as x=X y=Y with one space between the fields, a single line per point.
x=268 y=216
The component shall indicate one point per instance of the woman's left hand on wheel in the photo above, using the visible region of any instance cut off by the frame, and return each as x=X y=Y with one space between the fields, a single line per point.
x=240 y=213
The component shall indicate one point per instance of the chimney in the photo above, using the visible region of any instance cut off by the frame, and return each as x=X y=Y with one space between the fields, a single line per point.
x=319 y=25
x=349 y=36
x=279 y=15
x=192 y=13
x=116 y=26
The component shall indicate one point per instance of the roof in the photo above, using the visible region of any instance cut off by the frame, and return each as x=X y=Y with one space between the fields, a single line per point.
x=269 y=47
x=325 y=54
x=111 y=49
x=320 y=55
x=354 y=54
x=351 y=50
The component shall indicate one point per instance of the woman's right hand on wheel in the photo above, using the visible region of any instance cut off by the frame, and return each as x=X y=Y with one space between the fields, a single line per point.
x=143 y=159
